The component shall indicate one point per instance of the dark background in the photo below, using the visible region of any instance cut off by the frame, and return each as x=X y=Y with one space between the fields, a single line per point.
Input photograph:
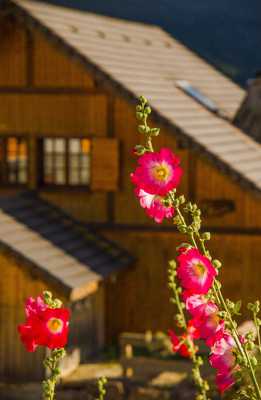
x=225 y=32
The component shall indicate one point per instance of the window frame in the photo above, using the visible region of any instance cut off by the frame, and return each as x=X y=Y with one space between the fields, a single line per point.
x=55 y=186
x=4 y=181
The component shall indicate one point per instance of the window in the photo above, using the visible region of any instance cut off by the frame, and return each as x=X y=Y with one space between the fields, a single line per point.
x=66 y=161
x=13 y=160
x=197 y=95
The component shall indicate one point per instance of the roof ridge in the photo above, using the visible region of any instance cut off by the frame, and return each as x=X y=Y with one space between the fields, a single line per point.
x=84 y=12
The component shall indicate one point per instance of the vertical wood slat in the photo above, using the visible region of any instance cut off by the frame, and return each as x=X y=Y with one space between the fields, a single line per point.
x=13 y=63
x=105 y=164
x=53 y=68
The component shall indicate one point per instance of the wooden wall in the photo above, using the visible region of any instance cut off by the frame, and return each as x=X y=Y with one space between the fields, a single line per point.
x=87 y=325
x=44 y=93
x=16 y=285
x=13 y=55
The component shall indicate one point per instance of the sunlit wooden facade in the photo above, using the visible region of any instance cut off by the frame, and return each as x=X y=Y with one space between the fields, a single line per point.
x=68 y=135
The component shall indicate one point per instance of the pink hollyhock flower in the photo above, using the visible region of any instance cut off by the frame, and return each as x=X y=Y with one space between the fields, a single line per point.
x=34 y=306
x=208 y=323
x=225 y=381
x=206 y=318
x=154 y=206
x=179 y=343
x=195 y=304
x=44 y=326
x=157 y=172
x=195 y=271
x=224 y=360
x=222 y=354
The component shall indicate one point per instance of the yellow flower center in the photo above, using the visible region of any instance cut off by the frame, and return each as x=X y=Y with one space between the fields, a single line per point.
x=199 y=269
x=55 y=325
x=161 y=172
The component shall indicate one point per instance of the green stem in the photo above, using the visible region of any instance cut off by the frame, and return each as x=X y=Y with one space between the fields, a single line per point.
x=51 y=363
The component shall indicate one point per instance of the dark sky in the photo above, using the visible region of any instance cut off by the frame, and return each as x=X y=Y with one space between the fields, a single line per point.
x=225 y=32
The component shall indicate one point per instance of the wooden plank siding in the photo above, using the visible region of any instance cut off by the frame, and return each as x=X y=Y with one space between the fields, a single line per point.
x=81 y=204
x=13 y=62
x=52 y=68
x=212 y=184
x=16 y=285
x=105 y=164
x=87 y=324
x=53 y=114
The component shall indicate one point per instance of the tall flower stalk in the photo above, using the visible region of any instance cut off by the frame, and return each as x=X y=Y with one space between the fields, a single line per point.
x=203 y=312
x=47 y=324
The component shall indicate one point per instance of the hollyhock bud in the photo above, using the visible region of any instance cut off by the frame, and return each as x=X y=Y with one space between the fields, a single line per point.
x=154 y=206
x=157 y=172
x=195 y=271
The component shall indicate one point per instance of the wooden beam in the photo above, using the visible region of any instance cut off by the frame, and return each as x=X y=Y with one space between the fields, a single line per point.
x=47 y=90
x=165 y=229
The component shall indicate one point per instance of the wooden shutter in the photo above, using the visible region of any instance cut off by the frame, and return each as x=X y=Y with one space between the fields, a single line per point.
x=104 y=164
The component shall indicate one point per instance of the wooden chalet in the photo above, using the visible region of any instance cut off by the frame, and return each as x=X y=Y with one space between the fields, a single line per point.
x=69 y=82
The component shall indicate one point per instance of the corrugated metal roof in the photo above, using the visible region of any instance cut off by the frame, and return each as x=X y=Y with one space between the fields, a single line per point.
x=143 y=59
x=62 y=249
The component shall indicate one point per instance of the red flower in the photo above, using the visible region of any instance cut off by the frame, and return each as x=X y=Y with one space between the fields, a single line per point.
x=180 y=343
x=27 y=336
x=52 y=329
x=44 y=326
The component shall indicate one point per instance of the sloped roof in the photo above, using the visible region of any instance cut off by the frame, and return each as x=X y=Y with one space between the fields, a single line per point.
x=58 y=247
x=142 y=59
